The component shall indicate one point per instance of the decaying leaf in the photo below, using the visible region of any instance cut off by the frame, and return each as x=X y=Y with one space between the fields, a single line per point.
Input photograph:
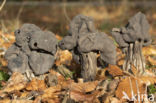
x=84 y=87
x=120 y=62
x=151 y=60
x=88 y=98
x=63 y=57
x=130 y=86
x=36 y=85
x=101 y=74
x=150 y=50
x=115 y=70
x=49 y=93
x=148 y=80
x=111 y=99
x=15 y=101
x=16 y=82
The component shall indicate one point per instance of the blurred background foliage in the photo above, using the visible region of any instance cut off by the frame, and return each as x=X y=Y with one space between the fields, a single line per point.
x=55 y=15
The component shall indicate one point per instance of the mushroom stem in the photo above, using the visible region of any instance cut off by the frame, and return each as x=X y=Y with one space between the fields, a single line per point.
x=134 y=57
x=89 y=65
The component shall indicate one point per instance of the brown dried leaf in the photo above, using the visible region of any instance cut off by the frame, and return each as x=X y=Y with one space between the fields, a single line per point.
x=15 y=83
x=151 y=60
x=100 y=75
x=15 y=101
x=56 y=100
x=63 y=57
x=49 y=93
x=64 y=83
x=84 y=87
x=120 y=62
x=150 y=50
x=36 y=85
x=82 y=97
x=147 y=80
x=24 y=94
x=115 y=70
x=128 y=85
x=111 y=99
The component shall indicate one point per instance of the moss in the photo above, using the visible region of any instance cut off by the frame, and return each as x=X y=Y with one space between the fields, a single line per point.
x=152 y=89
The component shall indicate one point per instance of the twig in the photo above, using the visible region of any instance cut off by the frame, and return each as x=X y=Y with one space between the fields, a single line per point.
x=2 y=5
x=20 y=11
x=64 y=11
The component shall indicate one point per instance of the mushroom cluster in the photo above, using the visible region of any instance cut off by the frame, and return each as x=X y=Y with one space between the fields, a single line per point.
x=33 y=51
x=85 y=42
x=131 y=39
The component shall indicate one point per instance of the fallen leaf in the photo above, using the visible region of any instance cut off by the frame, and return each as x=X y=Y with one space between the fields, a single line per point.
x=64 y=83
x=15 y=83
x=82 y=97
x=150 y=50
x=15 y=101
x=101 y=74
x=120 y=62
x=151 y=60
x=111 y=99
x=148 y=80
x=128 y=86
x=84 y=87
x=114 y=70
x=36 y=85
x=49 y=93
x=63 y=57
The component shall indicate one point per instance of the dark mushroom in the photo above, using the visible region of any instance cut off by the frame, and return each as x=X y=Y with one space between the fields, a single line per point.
x=131 y=39
x=23 y=36
x=85 y=42
x=40 y=63
x=17 y=60
x=43 y=41
x=33 y=49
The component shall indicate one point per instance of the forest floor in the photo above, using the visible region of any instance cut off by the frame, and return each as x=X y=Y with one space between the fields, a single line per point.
x=64 y=85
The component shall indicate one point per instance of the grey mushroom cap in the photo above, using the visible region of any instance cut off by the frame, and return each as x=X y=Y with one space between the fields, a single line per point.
x=40 y=63
x=136 y=29
x=17 y=60
x=33 y=49
x=45 y=41
x=81 y=23
x=84 y=38
x=98 y=42
x=23 y=34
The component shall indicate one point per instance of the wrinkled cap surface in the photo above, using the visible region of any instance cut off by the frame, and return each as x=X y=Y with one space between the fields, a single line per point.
x=84 y=38
x=136 y=29
x=98 y=42
x=45 y=41
x=17 y=60
x=40 y=63
x=33 y=49
x=23 y=34
x=80 y=24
